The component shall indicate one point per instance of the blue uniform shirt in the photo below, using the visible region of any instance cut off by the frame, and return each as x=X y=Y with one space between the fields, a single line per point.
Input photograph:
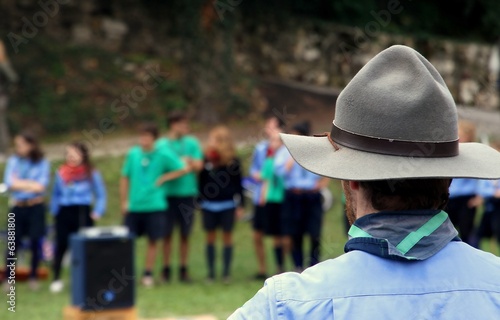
x=464 y=187
x=82 y=192
x=25 y=169
x=258 y=158
x=297 y=177
x=452 y=281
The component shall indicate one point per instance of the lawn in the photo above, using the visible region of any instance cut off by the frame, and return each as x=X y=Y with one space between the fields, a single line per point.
x=176 y=299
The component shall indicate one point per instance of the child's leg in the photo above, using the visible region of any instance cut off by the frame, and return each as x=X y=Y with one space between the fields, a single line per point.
x=150 y=256
x=211 y=235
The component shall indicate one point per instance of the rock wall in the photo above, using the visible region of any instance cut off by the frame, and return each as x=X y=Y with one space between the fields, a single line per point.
x=330 y=55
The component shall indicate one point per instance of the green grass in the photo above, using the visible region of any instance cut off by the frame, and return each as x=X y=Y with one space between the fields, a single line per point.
x=178 y=299
x=175 y=299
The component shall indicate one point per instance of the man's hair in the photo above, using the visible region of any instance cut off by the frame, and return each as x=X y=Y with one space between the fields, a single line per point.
x=149 y=128
x=408 y=194
x=176 y=116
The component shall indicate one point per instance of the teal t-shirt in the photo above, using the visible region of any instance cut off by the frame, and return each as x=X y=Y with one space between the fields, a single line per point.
x=275 y=191
x=186 y=146
x=143 y=170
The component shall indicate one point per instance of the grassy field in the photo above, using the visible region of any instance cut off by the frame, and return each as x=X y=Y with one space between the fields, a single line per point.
x=176 y=299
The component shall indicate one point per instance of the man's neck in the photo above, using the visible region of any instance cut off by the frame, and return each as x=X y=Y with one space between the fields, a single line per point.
x=147 y=148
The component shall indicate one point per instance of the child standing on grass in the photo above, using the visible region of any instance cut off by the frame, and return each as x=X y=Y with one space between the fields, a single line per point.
x=221 y=196
x=27 y=176
x=271 y=197
x=143 y=203
x=76 y=186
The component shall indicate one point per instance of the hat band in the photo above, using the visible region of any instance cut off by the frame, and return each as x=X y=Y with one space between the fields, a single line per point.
x=394 y=147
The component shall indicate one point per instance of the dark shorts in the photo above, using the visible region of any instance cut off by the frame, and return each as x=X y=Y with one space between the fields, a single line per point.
x=222 y=219
x=259 y=218
x=302 y=213
x=151 y=224
x=30 y=221
x=273 y=219
x=180 y=212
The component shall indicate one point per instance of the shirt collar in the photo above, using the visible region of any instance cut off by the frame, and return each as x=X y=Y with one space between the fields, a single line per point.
x=402 y=235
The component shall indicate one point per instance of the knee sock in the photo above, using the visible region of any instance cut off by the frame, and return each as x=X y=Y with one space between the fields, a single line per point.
x=278 y=253
x=228 y=254
x=314 y=252
x=211 y=260
x=35 y=257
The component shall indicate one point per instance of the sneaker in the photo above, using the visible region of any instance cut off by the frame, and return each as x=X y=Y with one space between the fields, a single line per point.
x=226 y=280
x=56 y=286
x=34 y=285
x=147 y=281
x=5 y=286
x=210 y=280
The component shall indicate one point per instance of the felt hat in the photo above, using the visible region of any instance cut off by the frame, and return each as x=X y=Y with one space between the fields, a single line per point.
x=396 y=119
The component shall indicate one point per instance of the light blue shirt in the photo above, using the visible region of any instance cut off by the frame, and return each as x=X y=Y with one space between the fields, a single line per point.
x=488 y=188
x=24 y=169
x=82 y=192
x=297 y=177
x=463 y=187
x=258 y=158
x=458 y=282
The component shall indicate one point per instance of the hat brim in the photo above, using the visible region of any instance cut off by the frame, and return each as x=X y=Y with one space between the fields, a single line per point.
x=318 y=155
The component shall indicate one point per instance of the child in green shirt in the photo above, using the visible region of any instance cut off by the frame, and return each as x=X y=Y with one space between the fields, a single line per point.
x=143 y=201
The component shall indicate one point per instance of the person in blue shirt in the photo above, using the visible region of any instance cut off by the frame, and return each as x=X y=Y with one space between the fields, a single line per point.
x=27 y=176
x=302 y=212
x=77 y=185
x=273 y=126
x=394 y=146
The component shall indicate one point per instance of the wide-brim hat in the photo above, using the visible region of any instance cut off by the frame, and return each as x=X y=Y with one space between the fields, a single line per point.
x=395 y=119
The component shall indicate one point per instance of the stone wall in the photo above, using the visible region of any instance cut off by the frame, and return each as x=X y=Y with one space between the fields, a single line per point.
x=330 y=55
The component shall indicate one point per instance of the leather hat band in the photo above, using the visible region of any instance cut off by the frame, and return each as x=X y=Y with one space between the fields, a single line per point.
x=394 y=147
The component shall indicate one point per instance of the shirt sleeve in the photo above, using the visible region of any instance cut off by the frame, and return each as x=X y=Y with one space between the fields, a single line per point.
x=238 y=179
x=172 y=162
x=281 y=158
x=261 y=306
x=56 y=193
x=44 y=177
x=126 y=167
x=255 y=166
x=100 y=194
x=196 y=152
x=9 y=168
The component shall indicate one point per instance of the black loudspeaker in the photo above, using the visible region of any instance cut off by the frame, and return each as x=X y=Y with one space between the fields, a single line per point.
x=102 y=271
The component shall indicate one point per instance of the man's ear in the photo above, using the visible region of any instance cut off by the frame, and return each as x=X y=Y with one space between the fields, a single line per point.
x=354 y=185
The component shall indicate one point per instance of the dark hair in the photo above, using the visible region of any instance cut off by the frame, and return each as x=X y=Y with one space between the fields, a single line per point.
x=280 y=120
x=150 y=128
x=80 y=146
x=408 y=194
x=36 y=153
x=303 y=128
x=176 y=116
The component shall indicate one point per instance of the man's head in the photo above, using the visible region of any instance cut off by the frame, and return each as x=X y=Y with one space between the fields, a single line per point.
x=148 y=133
x=396 y=120
x=365 y=197
x=178 y=123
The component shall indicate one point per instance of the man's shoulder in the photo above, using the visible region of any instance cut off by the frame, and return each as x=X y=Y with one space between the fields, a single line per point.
x=359 y=273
